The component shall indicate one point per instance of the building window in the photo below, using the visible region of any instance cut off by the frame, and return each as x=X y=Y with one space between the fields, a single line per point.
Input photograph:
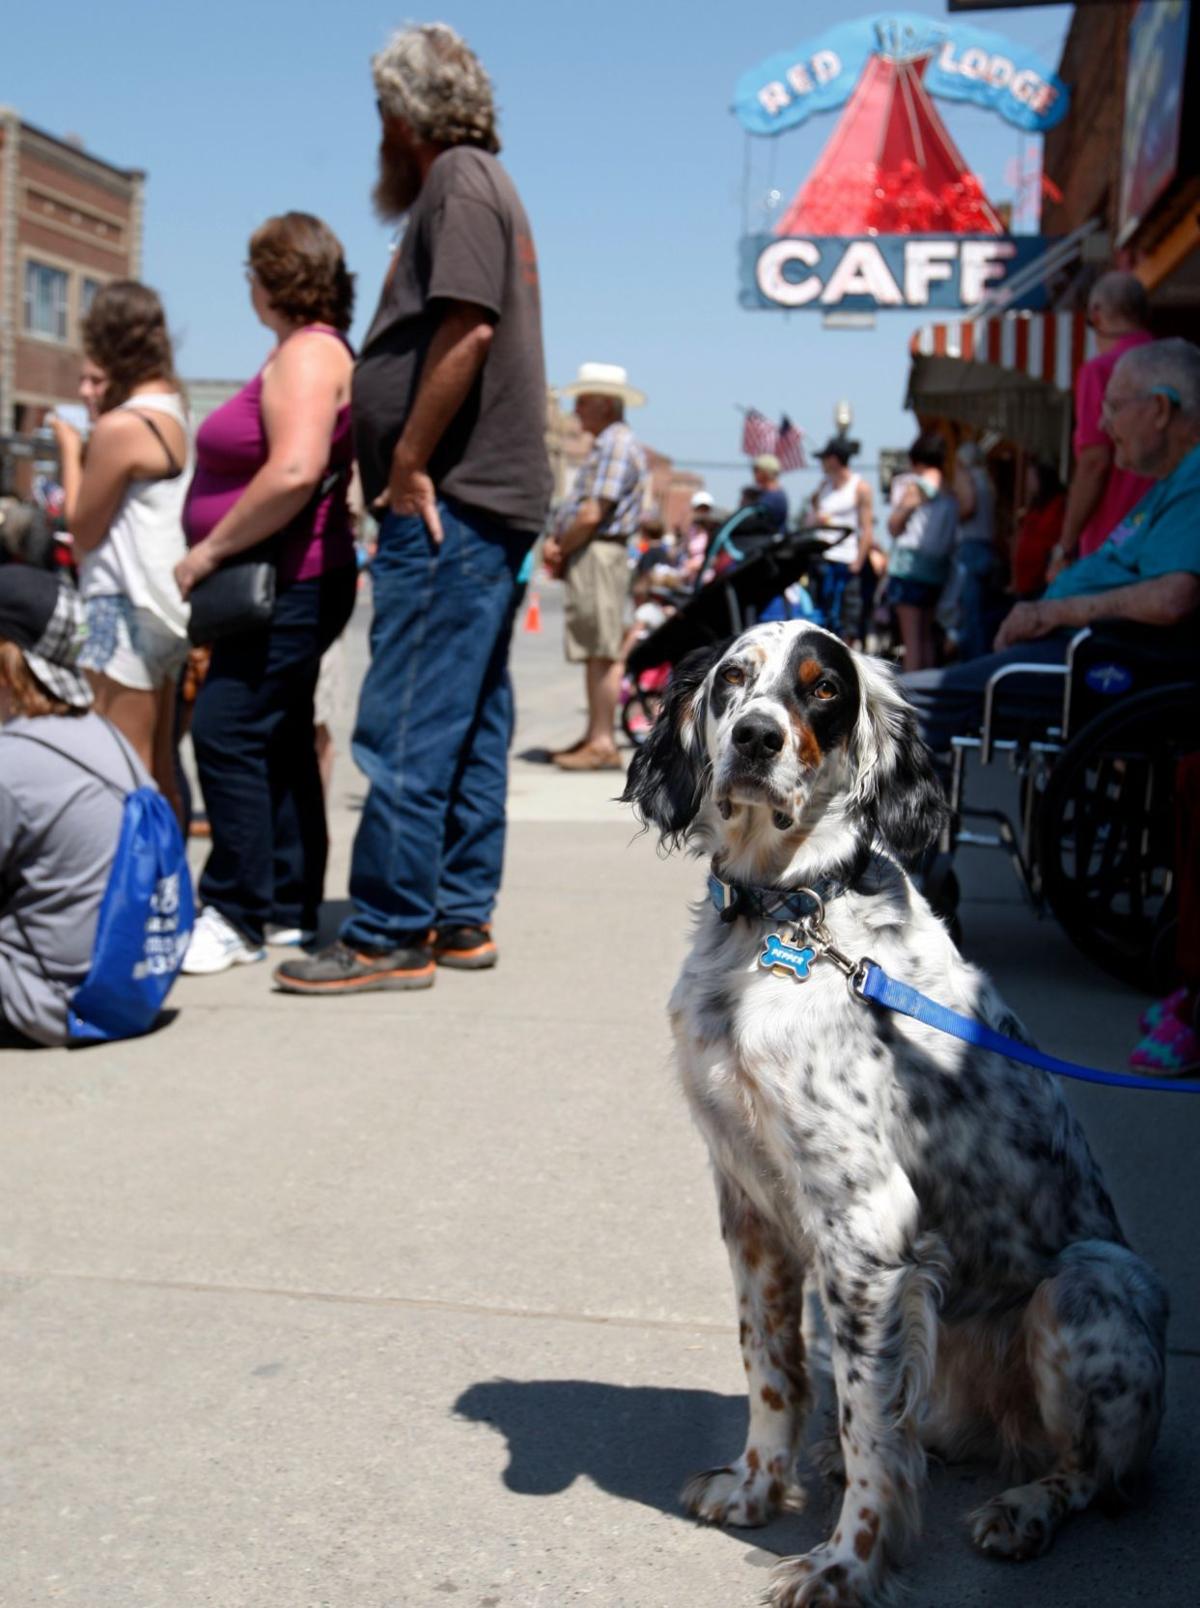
x=46 y=301
x=87 y=295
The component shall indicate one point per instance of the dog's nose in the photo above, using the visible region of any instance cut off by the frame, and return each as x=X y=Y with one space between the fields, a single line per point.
x=756 y=736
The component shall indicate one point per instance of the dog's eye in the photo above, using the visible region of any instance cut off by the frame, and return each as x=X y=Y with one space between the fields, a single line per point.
x=733 y=675
x=824 y=690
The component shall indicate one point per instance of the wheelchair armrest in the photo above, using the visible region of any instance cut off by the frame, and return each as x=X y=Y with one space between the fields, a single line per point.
x=1159 y=641
x=987 y=735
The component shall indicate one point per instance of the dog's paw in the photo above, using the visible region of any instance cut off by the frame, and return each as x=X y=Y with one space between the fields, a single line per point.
x=822 y=1578
x=1016 y=1524
x=745 y=1494
x=827 y=1458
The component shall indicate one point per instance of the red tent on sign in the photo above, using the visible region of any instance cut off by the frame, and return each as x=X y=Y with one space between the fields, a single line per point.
x=890 y=166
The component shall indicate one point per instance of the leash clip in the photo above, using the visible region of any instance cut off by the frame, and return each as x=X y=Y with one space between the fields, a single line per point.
x=816 y=933
x=858 y=979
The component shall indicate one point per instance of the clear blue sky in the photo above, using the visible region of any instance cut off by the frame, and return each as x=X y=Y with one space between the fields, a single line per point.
x=616 y=127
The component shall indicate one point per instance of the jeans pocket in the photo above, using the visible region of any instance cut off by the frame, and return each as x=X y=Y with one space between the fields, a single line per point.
x=483 y=556
x=404 y=545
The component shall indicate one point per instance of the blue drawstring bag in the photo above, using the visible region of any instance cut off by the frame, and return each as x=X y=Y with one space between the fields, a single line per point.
x=145 y=922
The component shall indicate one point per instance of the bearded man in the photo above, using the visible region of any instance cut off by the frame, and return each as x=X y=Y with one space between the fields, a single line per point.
x=449 y=413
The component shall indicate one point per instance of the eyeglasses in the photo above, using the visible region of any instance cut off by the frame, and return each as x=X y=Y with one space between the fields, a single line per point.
x=1113 y=405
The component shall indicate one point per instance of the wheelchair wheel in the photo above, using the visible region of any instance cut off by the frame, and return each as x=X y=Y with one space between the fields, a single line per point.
x=1106 y=833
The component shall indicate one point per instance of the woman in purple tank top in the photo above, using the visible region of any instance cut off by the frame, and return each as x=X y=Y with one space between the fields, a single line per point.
x=273 y=466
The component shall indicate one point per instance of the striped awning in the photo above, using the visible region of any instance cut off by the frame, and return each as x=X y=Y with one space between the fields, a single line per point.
x=1012 y=374
x=1048 y=347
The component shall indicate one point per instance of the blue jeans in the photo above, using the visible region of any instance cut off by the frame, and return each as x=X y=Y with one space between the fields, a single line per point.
x=252 y=733
x=977 y=566
x=831 y=595
x=435 y=720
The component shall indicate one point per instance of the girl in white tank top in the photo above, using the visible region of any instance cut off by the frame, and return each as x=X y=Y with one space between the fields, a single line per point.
x=145 y=541
x=123 y=506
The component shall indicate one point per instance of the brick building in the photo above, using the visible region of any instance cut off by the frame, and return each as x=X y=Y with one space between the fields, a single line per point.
x=68 y=223
x=1127 y=155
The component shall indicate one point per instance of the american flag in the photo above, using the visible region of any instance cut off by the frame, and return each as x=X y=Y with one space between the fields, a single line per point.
x=789 y=446
x=759 y=435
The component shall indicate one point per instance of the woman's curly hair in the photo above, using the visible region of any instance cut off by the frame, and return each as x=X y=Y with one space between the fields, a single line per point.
x=125 y=334
x=430 y=77
x=299 y=262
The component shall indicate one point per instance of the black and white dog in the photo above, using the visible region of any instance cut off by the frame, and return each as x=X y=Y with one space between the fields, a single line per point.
x=978 y=1290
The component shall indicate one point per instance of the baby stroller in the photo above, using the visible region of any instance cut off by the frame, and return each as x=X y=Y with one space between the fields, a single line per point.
x=727 y=605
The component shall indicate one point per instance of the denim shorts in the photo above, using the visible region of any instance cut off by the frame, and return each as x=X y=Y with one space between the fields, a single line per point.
x=913 y=594
x=130 y=646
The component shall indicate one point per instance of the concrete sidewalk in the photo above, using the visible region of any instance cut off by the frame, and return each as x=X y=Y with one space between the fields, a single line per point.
x=404 y=1300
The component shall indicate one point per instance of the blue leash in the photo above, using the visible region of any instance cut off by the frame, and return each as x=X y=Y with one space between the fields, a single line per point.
x=872 y=982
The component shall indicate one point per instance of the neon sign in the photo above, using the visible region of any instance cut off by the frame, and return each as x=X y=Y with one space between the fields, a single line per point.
x=899 y=271
x=892 y=214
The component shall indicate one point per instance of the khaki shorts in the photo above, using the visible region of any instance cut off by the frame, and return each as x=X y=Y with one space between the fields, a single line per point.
x=597 y=589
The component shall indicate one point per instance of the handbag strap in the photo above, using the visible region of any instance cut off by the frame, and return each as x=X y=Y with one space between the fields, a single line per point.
x=266 y=549
x=173 y=461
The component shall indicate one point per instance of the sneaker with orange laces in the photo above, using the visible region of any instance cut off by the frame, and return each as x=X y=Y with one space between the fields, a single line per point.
x=346 y=969
x=464 y=948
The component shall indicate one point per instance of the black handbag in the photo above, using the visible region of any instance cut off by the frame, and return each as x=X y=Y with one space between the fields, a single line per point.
x=238 y=597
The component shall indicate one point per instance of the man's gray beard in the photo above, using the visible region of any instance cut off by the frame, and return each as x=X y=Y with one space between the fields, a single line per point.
x=397 y=186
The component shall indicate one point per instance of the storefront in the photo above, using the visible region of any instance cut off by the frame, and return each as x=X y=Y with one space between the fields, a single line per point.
x=1158 y=222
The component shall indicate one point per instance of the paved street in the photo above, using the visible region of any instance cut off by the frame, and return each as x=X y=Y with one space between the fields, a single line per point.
x=411 y=1300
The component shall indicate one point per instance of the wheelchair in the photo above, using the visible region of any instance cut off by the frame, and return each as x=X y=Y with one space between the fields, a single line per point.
x=1094 y=839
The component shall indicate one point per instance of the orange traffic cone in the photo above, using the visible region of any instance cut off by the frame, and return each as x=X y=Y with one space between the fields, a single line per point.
x=533 y=614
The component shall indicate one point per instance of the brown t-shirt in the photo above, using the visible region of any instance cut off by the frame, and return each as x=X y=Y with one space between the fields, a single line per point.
x=467 y=240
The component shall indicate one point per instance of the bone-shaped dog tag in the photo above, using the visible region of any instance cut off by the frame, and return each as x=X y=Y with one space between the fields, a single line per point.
x=786 y=960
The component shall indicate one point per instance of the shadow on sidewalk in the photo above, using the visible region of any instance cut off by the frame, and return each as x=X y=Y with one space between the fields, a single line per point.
x=638 y=1442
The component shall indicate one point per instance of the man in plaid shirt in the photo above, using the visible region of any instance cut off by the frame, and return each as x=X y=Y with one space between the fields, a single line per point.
x=589 y=547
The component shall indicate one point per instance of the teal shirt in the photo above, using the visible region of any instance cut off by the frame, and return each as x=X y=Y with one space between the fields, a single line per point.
x=1159 y=536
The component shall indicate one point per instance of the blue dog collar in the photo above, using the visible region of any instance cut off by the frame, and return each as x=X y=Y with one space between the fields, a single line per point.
x=733 y=899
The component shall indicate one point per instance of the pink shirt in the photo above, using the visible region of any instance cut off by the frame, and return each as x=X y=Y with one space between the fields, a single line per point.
x=1122 y=489
x=231 y=447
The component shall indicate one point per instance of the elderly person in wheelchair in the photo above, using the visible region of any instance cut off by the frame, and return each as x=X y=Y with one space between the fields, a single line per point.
x=1093 y=693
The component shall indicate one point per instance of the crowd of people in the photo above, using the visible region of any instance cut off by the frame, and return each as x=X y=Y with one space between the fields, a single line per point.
x=246 y=525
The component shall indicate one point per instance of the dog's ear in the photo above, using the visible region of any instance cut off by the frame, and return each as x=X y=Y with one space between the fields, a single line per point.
x=669 y=773
x=896 y=782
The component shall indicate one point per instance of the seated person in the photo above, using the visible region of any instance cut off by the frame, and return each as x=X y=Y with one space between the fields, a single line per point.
x=1147 y=572
x=59 y=825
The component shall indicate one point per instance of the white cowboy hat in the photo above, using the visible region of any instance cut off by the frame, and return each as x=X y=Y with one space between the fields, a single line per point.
x=605 y=379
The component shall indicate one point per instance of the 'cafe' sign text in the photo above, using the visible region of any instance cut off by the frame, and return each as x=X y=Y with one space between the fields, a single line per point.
x=900 y=271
